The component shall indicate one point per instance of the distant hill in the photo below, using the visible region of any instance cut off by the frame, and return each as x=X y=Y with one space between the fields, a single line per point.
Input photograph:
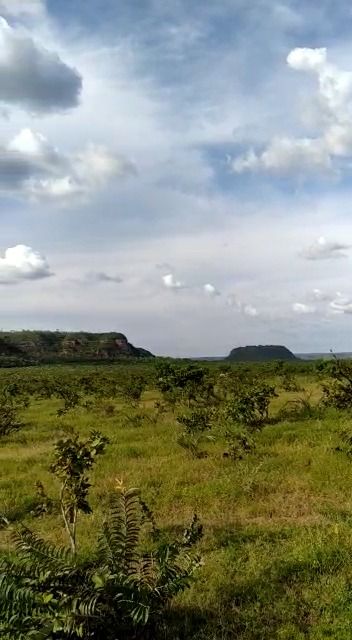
x=56 y=346
x=260 y=353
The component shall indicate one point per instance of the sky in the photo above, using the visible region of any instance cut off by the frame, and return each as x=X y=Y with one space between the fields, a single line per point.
x=178 y=171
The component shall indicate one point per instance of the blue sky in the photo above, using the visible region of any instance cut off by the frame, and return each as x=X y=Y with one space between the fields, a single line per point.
x=178 y=171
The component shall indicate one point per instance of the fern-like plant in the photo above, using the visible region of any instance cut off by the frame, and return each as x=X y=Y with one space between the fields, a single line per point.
x=120 y=592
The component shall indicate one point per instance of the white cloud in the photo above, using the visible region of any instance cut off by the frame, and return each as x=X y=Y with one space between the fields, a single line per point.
x=341 y=304
x=249 y=310
x=22 y=263
x=96 y=165
x=286 y=155
x=33 y=143
x=302 y=308
x=33 y=168
x=306 y=59
x=210 y=290
x=19 y=8
x=335 y=85
x=323 y=249
x=33 y=78
x=334 y=118
x=320 y=296
x=245 y=308
x=170 y=282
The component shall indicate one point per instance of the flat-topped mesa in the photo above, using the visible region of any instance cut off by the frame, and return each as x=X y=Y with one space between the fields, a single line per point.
x=261 y=353
x=75 y=345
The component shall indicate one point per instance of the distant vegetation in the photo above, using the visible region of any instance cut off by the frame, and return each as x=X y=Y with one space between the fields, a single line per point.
x=26 y=347
x=261 y=353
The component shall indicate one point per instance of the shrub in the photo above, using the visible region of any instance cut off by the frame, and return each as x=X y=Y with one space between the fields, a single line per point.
x=187 y=383
x=239 y=444
x=300 y=409
x=9 y=416
x=289 y=383
x=121 y=591
x=132 y=389
x=337 y=391
x=195 y=424
x=250 y=406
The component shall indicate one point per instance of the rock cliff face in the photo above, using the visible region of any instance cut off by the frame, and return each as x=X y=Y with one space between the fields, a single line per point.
x=57 y=345
x=261 y=353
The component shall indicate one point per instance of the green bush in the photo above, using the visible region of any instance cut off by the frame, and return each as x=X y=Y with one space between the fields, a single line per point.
x=120 y=591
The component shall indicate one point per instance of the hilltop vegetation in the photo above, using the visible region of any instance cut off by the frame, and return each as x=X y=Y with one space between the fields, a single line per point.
x=25 y=347
x=257 y=458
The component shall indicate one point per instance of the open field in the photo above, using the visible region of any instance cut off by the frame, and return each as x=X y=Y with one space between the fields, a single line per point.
x=277 y=545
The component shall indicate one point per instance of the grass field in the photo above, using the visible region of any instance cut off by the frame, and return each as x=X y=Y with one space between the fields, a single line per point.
x=277 y=545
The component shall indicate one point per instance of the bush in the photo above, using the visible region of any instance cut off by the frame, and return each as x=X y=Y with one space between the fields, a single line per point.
x=250 y=406
x=195 y=424
x=9 y=418
x=289 y=383
x=120 y=592
x=337 y=392
x=300 y=409
x=239 y=444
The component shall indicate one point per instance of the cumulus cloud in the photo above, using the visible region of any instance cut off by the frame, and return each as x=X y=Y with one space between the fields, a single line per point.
x=31 y=166
x=28 y=155
x=284 y=155
x=22 y=263
x=335 y=85
x=307 y=59
x=210 y=290
x=302 y=308
x=89 y=171
x=323 y=249
x=170 y=282
x=96 y=164
x=311 y=154
x=33 y=78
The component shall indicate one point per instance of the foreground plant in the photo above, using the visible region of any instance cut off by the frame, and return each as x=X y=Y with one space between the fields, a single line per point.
x=73 y=459
x=120 y=592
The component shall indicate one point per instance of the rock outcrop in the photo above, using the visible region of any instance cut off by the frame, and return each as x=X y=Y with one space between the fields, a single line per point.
x=46 y=346
x=261 y=353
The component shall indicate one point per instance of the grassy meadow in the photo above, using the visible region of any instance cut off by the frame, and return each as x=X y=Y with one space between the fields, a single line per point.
x=277 y=545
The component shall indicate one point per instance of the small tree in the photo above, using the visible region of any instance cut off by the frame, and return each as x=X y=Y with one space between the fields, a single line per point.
x=195 y=424
x=337 y=391
x=73 y=459
x=132 y=389
x=9 y=415
x=250 y=406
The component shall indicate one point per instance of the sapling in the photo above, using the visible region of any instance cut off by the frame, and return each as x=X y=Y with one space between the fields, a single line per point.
x=73 y=459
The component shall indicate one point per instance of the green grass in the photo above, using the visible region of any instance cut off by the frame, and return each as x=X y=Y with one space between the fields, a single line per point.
x=277 y=549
